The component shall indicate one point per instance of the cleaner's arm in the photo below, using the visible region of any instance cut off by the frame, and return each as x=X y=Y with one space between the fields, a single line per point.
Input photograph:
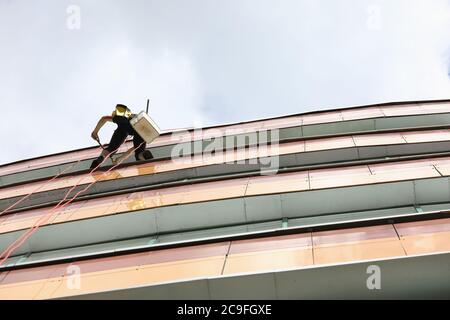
x=99 y=125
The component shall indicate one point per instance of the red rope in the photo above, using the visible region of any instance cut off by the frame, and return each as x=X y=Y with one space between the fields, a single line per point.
x=18 y=242
x=39 y=188
x=28 y=233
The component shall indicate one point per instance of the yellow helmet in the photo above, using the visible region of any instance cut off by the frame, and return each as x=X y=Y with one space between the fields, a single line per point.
x=122 y=111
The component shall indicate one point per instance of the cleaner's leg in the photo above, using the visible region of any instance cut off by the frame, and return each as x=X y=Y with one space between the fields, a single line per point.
x=117 y=139
x=141 y=153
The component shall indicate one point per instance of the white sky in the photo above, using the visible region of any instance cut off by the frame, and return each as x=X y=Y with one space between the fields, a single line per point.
x=205 y=62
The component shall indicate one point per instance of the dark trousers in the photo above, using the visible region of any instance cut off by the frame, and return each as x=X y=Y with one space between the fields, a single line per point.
x=124 y=129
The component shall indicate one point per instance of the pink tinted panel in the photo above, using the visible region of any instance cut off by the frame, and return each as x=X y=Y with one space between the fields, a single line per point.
x=422 y=227
x=30 y=274
x=361 y=113
x=378 y=139
x=358 y=252
x=323 y=117
x=287 y=182
x=3 y=219
x=116 y=262
x=215 y=190
x=390 y=111
x=335 y=177
x=426 y=136
x=290 y=147
x=427 y=243
x=439 y=107
x=24 y=215
x=328 y=143
x=271 y=243
x=93 y=208
x=40 y=186
x=3 y=275
x=188 y=253
x=403 y=171
x=44 y=216
x=268 y=260
x=283 y=122
x=21 y=224
x=103 y=206
x=338 y=172
x=336 y=237
x=442 y=164
x=401 y=165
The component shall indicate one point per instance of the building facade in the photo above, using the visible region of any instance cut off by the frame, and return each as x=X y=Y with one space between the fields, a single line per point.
x=346 y=203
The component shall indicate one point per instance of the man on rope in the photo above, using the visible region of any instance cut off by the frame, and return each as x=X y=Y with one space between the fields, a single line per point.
x=121 y=116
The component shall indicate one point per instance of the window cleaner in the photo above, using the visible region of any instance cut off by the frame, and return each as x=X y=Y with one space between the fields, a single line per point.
x=140 y=126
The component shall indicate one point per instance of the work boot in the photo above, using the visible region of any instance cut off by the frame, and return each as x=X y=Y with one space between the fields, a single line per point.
x=96 y=162
x=145 y=155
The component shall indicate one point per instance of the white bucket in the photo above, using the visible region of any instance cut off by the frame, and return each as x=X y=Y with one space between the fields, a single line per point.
x=145 y=127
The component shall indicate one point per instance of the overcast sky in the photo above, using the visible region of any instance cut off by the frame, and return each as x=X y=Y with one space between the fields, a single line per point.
x=204 y=62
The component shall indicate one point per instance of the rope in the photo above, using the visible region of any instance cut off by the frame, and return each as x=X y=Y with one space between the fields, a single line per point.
x=56 y=207
x=39 y=188
x=18 y=242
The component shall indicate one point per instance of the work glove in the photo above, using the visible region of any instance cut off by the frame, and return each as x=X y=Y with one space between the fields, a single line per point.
x=94 y=136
